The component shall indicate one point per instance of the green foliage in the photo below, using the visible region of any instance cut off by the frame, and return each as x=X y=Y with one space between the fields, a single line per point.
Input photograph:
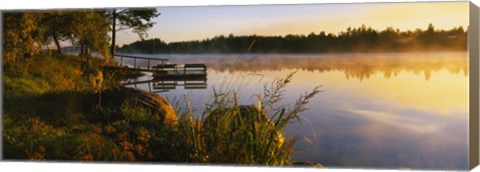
x=26 y=33
x=50 y=113
x=137 y=19
x=90 y=28
x=361 y=39
x=41 y=73
x=58 y=26
x=67 y=126
x=33 y=139
x=21 y=36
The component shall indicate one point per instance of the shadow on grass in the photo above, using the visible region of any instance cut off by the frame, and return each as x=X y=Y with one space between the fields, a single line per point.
x=63 y=108
x=70 y=125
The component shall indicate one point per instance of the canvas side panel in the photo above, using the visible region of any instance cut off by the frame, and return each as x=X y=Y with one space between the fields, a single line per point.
x=473 y=43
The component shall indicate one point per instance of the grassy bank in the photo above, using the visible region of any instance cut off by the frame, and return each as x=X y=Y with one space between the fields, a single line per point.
x=54 y=110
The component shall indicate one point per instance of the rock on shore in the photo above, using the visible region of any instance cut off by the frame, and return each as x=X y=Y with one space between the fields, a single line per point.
x=158 y=105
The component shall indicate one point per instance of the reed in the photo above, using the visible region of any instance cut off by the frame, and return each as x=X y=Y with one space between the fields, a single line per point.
x=227 y=132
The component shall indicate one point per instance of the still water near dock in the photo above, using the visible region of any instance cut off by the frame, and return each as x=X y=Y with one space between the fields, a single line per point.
x=382 y=110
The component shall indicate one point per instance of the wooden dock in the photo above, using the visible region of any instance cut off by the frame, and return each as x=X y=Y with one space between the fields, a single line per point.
x=165 y=76
x=143 y=64
x=185 y=72
x=159 y=67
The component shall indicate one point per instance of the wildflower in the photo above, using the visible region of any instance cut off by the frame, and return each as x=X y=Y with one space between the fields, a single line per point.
x=143 y=135
x=126 y=145
x=97 y=130
x=205 y=158
x=116 y=153
x=41 y=148
x=87 y=157
x=130 y=156
x=143 y=132
x=37 y=156
x=122 y=135
x=139 y=149
x=116 y=150
x=109 y=129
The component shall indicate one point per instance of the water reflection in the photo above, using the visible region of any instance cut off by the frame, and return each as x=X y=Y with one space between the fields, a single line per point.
x=164 y=85
x=359 y=66
x=377 y=110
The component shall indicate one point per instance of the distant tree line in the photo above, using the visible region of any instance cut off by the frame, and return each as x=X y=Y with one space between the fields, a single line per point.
x=360 y=39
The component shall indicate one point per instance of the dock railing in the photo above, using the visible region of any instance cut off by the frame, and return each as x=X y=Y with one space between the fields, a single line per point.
x=149 y=60
x=183 y=70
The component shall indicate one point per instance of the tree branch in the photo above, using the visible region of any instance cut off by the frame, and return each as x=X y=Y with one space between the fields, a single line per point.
x=122 y=11
x=123 y=28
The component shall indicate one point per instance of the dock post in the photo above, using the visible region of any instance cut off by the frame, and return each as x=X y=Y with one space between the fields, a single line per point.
x=149 y=87
x=121 y=61
x=148 y=65
x=134 y=63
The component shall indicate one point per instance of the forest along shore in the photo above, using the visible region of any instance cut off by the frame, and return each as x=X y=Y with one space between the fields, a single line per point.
x=63 y=107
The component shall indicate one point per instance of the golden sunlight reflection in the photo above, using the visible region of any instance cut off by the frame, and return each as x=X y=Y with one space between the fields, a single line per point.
x=445 y=93
x=428 y=82
x=404 y=122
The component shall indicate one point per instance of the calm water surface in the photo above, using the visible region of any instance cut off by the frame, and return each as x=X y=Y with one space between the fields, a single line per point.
x=386 y=110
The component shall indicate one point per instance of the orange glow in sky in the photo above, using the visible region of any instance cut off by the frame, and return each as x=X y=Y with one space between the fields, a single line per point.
x=404 y=16
x=202 y=22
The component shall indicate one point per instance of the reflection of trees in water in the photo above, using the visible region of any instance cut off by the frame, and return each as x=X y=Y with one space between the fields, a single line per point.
x=360 y=66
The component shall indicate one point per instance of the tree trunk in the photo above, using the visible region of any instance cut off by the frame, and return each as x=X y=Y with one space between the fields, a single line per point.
x=87 y=54
x=54 y=36
x=82 y=49
x=114 y=24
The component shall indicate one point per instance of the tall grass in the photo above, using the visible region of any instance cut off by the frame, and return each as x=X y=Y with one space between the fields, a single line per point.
x=227 y=132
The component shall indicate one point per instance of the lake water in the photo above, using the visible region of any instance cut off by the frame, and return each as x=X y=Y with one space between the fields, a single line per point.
x=383 y=110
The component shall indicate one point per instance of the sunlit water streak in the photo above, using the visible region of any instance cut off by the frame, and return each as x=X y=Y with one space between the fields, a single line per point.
x=390 y=110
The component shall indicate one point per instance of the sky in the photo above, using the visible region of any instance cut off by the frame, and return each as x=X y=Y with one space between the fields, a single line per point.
x=202 y=22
